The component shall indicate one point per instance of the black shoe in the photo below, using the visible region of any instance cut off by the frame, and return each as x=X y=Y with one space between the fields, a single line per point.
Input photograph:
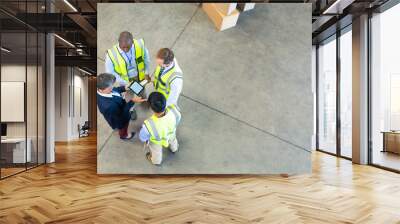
x=133 y=115
x=128 y=138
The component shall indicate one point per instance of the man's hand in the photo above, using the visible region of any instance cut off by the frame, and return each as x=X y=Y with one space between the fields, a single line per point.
x=137 y=99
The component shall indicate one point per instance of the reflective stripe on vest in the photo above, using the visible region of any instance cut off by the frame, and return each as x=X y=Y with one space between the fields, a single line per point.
x=161 y=129
x=163 y=84
x=120 y=65
x=176 y=113
x=151 y=127
x=139 y=58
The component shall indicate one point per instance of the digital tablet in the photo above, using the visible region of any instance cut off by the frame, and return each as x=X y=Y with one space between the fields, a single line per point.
x=136 y=88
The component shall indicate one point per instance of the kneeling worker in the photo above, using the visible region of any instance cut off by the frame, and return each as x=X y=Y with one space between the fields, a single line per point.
x=160 y=129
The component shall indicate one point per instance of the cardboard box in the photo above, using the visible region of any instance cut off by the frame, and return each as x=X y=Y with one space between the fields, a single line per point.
x=220 y=20
x=226 y=8
x=245 y=6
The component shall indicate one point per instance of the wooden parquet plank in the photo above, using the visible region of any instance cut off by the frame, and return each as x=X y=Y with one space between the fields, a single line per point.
x=70 y=191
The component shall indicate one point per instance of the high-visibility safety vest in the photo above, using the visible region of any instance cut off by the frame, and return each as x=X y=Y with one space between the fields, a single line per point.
x=120 y=65
x=162 y=83
x=163 y=128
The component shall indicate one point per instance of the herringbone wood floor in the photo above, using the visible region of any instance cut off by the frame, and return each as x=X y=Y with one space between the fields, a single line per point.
x=69 y=191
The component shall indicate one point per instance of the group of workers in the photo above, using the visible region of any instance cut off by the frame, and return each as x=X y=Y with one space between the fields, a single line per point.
x=129 y=61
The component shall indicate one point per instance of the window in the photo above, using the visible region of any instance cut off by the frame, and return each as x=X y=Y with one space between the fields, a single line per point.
x=22 y=67
x=385 y=89
x=346 y=92
x=327 y=96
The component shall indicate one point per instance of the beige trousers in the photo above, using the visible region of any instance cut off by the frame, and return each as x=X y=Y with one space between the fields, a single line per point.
x=157 y=150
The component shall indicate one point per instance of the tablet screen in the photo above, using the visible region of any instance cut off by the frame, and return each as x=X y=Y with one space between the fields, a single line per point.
x=136 y=88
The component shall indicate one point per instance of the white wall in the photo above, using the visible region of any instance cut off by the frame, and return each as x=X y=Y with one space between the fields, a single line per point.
x=33 y=127
x=71 y=94
x=12 y=73
x=79 y=117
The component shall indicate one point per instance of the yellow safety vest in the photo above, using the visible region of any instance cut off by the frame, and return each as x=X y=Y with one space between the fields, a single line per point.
x=163 y=128
x=120 y=65
x=162 y=83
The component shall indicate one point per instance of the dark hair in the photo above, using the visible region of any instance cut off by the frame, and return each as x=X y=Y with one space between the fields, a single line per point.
x=157 y=102
x=166 y=54
x=125 y=36
x=105 y=80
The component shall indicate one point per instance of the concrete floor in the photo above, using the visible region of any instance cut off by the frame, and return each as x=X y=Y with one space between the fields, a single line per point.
x=247 y=105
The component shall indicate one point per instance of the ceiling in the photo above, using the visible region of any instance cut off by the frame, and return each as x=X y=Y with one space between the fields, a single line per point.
x=332 y=15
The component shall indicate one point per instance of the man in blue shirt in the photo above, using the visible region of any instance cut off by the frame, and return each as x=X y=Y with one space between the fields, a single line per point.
x=113 y=106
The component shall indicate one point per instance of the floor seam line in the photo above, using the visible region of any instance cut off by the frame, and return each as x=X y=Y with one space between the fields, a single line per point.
x=184 y=28
x=247 y=124
x=223 y=113
x=104 y=144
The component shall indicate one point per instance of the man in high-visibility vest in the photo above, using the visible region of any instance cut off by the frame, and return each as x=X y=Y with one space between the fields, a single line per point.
x=168 y=76
x=159 y=131
x=128 y=60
